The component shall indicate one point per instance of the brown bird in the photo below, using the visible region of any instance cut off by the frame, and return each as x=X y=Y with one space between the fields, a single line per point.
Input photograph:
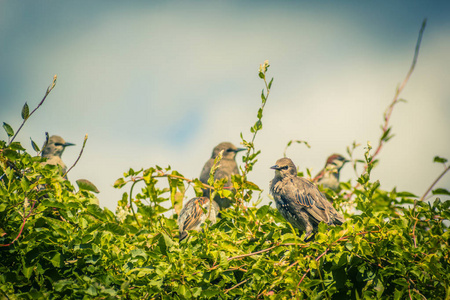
x=328 y=177
x=53 y=151
x=227 y=167
x=195 y=213
x=299 y=201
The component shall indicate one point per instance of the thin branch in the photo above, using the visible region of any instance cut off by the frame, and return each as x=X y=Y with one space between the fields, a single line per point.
x=49 y=89
x=183 y=178
x=131 y=202
x=309 y=269
x=21 y=229
x=254 y=253
x=240 y=283
x=421 y=199
x=434 y=183
x=387 y=114
x=79 y=156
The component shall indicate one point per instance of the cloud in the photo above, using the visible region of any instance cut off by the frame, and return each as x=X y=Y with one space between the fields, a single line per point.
x=161 y=85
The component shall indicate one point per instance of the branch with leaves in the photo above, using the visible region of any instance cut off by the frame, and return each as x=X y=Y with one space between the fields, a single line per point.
x=386 y=129
x=250 y=157
x=26 y=114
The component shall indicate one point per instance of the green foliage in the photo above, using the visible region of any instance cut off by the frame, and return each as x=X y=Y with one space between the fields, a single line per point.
x=57 y=243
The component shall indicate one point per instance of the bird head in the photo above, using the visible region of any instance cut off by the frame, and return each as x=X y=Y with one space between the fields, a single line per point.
x=336 y=161
x=55 y=146
x=229 y=150
x=284 y=167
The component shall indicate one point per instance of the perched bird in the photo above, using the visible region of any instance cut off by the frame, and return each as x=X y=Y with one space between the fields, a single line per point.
x=328 y=177
x=228 y=167
x=299 y=201
x=53 y=151
x=195 y=213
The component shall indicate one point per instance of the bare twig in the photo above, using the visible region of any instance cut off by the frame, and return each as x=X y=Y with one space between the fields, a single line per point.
x=49 y=89
x=131 y=202
x=295 y=141
x=23 y=225
x=240 y=283
x=179 y=177
x=387 y=114
x=421 y=199
x=434 y=183
x=79 y=156
x=309 y=269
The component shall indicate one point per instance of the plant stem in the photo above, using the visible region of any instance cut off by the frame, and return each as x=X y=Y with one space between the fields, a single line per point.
x=79 y=155
x=49 y=89
x=434 y=183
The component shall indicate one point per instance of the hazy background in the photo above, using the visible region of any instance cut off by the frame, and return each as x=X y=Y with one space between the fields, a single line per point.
x=163 y=83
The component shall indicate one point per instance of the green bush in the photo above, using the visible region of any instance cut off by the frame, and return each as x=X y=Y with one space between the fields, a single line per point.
x=57 y=243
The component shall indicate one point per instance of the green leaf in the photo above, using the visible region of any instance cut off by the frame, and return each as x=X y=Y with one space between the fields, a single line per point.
x=35 y=147
x=57 y=260
x=440 y=160
x=86 y=185
x=25 y=111
x=440 y=191
x=115 y=228
x=119 y=183
x=8 y=129
x=270 y=83
x=406 y=194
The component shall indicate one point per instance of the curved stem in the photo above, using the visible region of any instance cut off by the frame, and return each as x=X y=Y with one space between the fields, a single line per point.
x=49 y=89
x=21 y=229
x=434 y=183
x=131 y=201
x=79 y=155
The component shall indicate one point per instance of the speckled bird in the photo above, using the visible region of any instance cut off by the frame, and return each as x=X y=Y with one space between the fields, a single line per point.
x=299 y=201
x=194 y=213
x=328 y=177
x=227 y=167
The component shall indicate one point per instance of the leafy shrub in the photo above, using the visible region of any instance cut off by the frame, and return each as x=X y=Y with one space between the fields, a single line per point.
x=57 y=243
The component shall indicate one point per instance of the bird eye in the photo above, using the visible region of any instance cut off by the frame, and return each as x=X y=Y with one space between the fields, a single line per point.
x=58 y=144
x=230 y=150
x=285 y=167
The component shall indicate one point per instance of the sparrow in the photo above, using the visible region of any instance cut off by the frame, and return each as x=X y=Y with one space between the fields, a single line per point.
x=328 y=177
x=194 y=213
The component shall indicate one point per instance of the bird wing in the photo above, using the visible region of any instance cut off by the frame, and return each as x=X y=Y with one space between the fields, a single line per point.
x=303 y=195
x=190 y=215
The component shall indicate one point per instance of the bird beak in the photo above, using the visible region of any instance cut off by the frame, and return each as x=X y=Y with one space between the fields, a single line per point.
x=240 y=149
x=276 y=167
x=347 y=161
x=68 y=144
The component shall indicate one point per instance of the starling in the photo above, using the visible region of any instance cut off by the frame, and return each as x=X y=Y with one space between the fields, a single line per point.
x=227 y=167
x=195 y=213
x=299 y=201
x=53 y=151
x=328 y=177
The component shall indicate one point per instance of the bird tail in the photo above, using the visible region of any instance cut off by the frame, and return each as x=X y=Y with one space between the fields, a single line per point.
x=183 y=235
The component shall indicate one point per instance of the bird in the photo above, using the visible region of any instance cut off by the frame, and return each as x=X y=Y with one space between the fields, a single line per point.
x=53 y=151
x=195 y=213
x=328 y=177
x=299 y=201
x=227 y=167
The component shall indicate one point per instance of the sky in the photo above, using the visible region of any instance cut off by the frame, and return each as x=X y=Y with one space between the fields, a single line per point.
x=162 y=83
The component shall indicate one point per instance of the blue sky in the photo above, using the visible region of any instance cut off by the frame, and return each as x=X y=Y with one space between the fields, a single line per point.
x=163 y=83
